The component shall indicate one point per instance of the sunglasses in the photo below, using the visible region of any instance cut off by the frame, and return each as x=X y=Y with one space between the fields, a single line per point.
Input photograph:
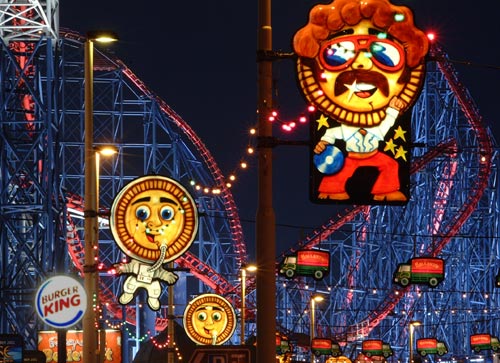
x=338 y=53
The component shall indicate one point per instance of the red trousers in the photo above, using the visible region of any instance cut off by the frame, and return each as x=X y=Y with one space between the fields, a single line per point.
x=387 y=180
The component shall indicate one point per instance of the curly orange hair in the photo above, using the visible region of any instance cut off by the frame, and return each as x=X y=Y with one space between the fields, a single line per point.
x=330 y=18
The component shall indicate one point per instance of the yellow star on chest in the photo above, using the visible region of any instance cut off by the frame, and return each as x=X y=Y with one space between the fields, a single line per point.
x=322 y=122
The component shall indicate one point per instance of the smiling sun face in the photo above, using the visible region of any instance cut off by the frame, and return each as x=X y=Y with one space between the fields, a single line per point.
x=360 y=71
x=356 y=73
x=152 y=211
x=153 y=218
x=209 y=319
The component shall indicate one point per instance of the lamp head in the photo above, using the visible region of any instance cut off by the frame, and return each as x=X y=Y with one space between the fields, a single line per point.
x=317 y=298
x=250 y=268
x=106 y=150
x=102 y=36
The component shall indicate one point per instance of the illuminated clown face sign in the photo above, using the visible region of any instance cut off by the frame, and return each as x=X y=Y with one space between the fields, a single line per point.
x=209 y=319
x=361 y=64
x=154 y=221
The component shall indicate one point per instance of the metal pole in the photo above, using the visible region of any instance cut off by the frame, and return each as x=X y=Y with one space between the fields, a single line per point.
x=243 y=304
x=90 y=352
x=102 y=331
x=312 y=328
x=412 y=326
x=265 y=220
x=171 y=321
x=411 y=344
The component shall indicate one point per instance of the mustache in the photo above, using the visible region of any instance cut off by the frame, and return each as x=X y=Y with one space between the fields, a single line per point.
x=361 y=76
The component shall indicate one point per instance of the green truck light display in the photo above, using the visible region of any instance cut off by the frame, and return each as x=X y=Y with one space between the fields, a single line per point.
x=325 y=346
x=479 y=342
x=376 y=347
x=431 y=346
x=420 y=270
x=315 y=263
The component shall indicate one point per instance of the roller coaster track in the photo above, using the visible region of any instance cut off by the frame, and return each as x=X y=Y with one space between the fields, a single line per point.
x=447 y=149
x=196 y=267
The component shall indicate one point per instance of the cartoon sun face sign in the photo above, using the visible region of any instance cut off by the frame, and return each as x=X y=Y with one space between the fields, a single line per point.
x=355 y=56
x=152 y=211
x=209 y=319
x=154 y=220
x=361 y=64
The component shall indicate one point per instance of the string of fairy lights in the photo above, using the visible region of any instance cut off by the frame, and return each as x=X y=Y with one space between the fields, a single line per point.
x=286 y=127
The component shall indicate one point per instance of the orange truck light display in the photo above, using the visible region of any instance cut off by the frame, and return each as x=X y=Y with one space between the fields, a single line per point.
x=479 y=342
x=420 y=270
x=431 y=346
x=313 y=263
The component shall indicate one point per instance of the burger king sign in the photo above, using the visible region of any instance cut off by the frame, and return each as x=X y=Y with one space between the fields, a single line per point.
x=61 y=302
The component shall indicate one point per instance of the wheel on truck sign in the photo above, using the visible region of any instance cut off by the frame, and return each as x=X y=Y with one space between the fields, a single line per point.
x=317 y=353
x=433 y=282
x=404 y=281
x=368 y=354
x=423 y=353
x=318 y=275
x=495 y=348
x=289 y=273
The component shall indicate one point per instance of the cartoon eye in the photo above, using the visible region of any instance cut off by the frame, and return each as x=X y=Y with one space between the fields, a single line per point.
x=338 y=54
x=202 y=316
x=167 y=213
x=216 y=316
x=142 y=213
x=385 y=53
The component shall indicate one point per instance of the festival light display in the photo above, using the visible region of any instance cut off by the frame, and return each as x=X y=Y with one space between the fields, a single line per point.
x=361 y=65
x=154 y=220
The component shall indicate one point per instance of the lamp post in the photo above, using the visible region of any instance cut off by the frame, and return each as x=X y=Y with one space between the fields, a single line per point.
x=413 y=324
x=244 y=269
x=314 y=300
x=265 y=219
x=91 y=226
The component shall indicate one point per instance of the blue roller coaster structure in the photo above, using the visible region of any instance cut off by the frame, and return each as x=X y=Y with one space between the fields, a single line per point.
x=453 y=212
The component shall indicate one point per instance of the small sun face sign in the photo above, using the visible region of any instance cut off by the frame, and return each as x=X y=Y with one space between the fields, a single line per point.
x=361 y=65
x=154 y=220
x=209 y=319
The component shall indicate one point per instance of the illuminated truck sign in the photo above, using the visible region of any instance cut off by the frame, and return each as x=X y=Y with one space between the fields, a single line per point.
x=325 y=346
x=376 y=347
x=479 y=342
x=431 y=346
x=420 y=270
x=282 y=344
x=313 y=263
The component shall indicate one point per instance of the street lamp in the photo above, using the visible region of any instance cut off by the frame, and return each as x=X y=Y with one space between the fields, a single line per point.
x=314 y=300
x=243 y=271
x=91 y=227
x=413 y=324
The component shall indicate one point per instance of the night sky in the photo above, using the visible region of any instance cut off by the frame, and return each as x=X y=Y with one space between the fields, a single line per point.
x=200 y=58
